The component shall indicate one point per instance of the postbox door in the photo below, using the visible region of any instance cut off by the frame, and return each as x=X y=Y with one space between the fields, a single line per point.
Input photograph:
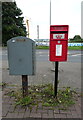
x=58 y=50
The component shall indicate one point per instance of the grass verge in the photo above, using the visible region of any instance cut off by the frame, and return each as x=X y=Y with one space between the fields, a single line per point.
x=69 y=48
x=75 y=47
x=42 y=47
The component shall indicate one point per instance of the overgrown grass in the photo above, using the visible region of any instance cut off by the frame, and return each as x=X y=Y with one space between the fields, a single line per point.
x=45 y=94
x=75 y=47
x=70 y=47
x=42 y=47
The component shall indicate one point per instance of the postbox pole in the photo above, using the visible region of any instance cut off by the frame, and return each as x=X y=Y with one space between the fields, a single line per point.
x=25 y=85
x=56 y=78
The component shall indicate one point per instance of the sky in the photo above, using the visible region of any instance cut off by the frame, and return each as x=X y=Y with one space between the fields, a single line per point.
x=63 y=12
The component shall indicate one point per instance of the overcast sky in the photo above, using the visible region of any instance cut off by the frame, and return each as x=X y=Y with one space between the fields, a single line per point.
x=64 y=12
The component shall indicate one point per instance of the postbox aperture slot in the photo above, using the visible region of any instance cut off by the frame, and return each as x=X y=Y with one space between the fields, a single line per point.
x=58 y=31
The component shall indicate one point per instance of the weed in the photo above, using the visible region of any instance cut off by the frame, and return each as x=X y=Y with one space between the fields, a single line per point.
x=24 y=101
x=48 y=90
x=11 y=93
x=65 y=97
x=46 y=104
x=3 y=84
x=45 y=94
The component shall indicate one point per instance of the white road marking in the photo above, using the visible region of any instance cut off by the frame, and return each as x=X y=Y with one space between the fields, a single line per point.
x=44 y=55
x=41 y=55
x=41 y=52
x=77 y=55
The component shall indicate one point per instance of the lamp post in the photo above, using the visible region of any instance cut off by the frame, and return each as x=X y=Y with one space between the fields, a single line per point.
x=53 y=63
x=38 y=34
x=50 y=12
x=27 y=21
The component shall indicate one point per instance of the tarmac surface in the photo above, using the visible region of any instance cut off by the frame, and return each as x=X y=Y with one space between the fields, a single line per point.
x=69 y=74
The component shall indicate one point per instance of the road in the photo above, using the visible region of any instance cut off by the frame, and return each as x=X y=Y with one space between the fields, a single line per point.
x=73 y=56
x=43 y=55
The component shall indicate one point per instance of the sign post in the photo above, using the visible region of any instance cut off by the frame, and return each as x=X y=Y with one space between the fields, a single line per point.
x=25 y=85
x=58 y=48
x=56 y=78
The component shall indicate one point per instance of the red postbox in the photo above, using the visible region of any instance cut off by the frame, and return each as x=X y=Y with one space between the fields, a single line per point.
x=58 y=42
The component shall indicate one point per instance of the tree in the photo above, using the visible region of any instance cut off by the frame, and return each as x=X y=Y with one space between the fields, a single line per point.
x=77 y=37
x=12 y=21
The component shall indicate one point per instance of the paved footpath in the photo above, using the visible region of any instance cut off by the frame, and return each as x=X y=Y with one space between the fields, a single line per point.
x=10 y=111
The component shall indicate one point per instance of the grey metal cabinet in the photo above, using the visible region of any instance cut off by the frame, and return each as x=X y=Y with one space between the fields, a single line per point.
x=21 y=56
